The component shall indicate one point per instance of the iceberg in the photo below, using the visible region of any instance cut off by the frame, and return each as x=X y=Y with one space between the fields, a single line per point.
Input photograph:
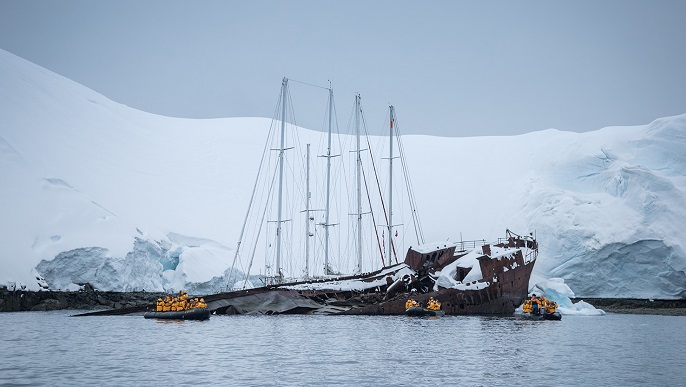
x=556 y=289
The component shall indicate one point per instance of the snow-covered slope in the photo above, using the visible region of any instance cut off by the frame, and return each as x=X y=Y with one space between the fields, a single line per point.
x=94 y=191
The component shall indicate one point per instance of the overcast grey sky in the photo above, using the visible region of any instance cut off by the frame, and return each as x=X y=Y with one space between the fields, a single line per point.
x=451 y=68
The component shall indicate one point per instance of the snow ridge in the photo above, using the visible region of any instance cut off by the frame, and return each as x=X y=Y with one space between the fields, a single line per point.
x=94 y=191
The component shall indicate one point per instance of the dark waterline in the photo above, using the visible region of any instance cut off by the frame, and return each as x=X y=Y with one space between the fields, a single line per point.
x=51 y=349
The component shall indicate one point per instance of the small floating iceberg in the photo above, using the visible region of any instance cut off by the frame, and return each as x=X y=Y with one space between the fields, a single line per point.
x=555 y=289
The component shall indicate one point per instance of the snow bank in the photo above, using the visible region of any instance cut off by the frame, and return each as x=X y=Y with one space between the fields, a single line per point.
x=94 y=186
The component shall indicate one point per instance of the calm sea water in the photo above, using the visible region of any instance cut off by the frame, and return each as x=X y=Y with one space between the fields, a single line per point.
x=53 y=349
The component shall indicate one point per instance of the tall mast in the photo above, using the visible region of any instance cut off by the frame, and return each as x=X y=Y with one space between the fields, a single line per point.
x=359 y=183
x=284 y=88
x=308 y=196
x=328 y=187
x=390 y=188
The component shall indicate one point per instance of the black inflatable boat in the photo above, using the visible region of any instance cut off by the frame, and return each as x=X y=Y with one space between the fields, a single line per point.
x=556 y=316
x=190 y=314
x=419 y=311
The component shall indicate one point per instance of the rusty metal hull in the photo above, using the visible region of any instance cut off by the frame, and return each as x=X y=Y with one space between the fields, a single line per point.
x=503 y=287
x=500 y=297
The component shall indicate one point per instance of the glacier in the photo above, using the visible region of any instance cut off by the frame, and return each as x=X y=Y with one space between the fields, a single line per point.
x=96 y=192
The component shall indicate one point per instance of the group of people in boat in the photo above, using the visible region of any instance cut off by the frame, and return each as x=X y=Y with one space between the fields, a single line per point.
x=539 y=305
x=179 y=303
x=432 y=304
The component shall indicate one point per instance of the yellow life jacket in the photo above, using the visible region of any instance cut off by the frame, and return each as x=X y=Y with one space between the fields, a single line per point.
x=551 y=307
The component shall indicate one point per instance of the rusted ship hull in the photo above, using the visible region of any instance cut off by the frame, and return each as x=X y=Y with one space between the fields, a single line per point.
x=501 y=297
x=502 y=287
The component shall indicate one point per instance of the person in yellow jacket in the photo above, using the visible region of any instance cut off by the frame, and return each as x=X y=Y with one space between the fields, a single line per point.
x=535 y=304
x=551 y=307
x=166 y=304
x=201 y=303
x=433 y=304
x=527 y=308
x=168 y=299
x=159 y=305
x=411 y=303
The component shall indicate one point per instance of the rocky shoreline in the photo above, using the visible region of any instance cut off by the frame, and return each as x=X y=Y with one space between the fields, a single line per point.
x=91 y=299
x=638 y=306
x=20 y=300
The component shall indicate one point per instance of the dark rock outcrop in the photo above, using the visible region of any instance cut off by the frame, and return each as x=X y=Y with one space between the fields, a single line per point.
x=19 y=300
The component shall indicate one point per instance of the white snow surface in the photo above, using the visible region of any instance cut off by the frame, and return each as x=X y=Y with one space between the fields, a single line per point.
x=354 y=284
x=95 y=191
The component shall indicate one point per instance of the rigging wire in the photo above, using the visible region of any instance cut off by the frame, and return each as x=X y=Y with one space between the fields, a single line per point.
x=410 y=192
x=335 y=178
x=298 y=182
x=297 y=187
x=357 y=241
x=294 y=189
x=252 y=196
x=378 y=185
x=366 y=187
x=309 y=84
x=376 y=231
x=252 y=257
